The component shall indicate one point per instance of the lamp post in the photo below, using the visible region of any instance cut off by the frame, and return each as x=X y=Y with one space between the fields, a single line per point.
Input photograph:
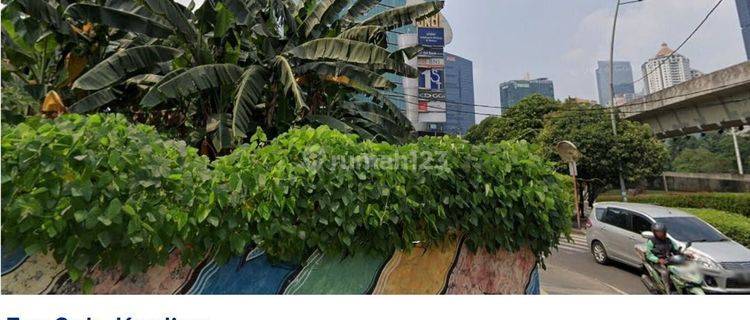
x=623 y=191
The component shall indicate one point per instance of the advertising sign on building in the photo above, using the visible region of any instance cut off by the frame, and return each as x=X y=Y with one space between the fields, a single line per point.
x=431 y=95
x=434 y=21
x=431 y=53
x=431 y=79
x=431 y=37
x=431 y=63
x=432 y=106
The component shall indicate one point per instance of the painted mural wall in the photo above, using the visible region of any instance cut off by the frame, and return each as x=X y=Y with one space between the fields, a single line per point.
x=448 y=268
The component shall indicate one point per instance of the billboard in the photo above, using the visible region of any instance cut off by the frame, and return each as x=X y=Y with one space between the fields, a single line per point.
x=431 y=63
x=432 y=106
x=431 y=37
x=432 y=79
x=431 y=95
x=431 y=53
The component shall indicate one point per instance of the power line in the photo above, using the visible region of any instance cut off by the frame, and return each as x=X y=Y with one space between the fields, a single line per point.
x=681 y=44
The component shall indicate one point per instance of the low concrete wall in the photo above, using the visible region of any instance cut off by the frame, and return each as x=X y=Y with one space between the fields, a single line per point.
x=703 y=182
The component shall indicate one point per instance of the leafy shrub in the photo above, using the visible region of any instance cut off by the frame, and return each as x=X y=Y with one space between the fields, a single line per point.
x=731 y=202
x=99 y=190
x=318 y=188
x=734 y=226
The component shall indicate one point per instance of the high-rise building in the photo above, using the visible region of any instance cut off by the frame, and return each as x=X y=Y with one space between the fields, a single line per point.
x=622 y=78
x=666 y=69
x=743 y=9
x=459 y=94
x=513 y=91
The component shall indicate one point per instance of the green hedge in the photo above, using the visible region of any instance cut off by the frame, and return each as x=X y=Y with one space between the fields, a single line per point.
x=95 y=188
x=734 y=226
x=731 y=202
x=99 y=190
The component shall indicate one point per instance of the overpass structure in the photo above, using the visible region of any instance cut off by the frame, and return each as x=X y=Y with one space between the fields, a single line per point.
x=719 y=100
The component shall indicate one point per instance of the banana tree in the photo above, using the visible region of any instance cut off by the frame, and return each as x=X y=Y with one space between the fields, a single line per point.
x=219 y=72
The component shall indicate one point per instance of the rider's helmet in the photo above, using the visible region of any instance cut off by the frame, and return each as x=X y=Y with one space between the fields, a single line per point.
x=658 y=227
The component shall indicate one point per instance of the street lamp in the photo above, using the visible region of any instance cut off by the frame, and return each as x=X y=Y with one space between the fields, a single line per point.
x=623 y=191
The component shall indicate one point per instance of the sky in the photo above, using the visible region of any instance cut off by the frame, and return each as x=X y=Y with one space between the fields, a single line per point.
x=563 y=39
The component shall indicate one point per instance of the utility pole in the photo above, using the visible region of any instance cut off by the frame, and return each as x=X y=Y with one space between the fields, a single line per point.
x=737 y=151
x=623 y=191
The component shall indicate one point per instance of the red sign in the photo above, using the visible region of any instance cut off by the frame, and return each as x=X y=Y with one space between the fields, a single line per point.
x=423 y=105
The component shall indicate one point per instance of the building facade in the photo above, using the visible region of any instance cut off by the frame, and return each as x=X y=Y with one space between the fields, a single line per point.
x=623 y=80
x=666 y=69
x=459 y=94
x=513 y=91
x=743 y=9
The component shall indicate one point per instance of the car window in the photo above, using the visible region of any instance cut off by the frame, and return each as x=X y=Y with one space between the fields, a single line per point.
x=640 y=223
x=617 y=217
x=691 y=229
x=600 y=213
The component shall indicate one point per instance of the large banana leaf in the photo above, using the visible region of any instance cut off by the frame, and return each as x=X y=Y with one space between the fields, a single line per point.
x=177 y=15
x=121 y=64
x=369 y=34
x=119 y=19
x=353 y=52
x=402 y=16
x=153 y=97
x=244 y=11
x=248 y=96
x=316 y=16
x=349 y=75
x=331 y=122
x=359 y=8
x=95 y=100
x=407 y=53
x=43 y=11
x=288 y=81
x=194 y=80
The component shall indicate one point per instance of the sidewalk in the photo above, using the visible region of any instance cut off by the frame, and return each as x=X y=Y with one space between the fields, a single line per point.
x=559 y=280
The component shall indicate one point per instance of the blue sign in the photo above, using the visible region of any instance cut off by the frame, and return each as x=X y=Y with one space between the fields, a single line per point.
x=431 y=79
x=431 y=53
x=431 y=37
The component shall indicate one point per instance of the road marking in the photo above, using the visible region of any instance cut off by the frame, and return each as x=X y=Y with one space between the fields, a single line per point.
x=578 y=245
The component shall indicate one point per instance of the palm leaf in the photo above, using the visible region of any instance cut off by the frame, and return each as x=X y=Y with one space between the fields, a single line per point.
x=43 y=11
x=121 y=64
x=349 y=75
x=352 y=52
x=330 y=121
x=321 y=14
x=95 y=100
x=369 y=34
x=176 y=14
x=407 y=53
x=287 y=79
x=194 y=80
x=153 y=97
x=245 y=11
x=359 y=8
x=402 y=16
x=248 y=96
x=118 y=19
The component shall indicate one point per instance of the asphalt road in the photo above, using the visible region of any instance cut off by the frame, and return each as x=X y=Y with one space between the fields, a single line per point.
x=572 y=270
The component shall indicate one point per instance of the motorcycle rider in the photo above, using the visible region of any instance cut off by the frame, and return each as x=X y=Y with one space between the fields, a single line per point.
x=658 y=250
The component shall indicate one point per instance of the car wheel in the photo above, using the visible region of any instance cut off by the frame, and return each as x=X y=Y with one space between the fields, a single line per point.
x=600 y=254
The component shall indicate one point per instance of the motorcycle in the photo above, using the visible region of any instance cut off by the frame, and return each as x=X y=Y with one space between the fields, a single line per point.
x=684 y=274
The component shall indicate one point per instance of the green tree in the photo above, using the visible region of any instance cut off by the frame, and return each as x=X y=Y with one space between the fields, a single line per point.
x=722 y=158
x=589 y=127
x=522 y=121
x=212 y=75
x=701 y=160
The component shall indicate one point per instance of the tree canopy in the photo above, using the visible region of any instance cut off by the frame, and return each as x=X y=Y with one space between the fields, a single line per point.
x=213 y=74
x=522 y=121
